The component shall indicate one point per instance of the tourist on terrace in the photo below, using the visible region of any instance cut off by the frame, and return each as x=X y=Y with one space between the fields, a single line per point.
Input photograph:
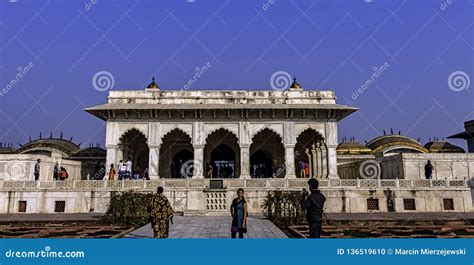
x=238 y=210
x=301 y=166
x=428 y=170
x=63 y=175
x=161 y=214
x=121 y=170
x=146 y=176
x=128 y=169
x=313 y=205
x=56 y=171
x=111 y=172
x=37 y=169
x=136 y=172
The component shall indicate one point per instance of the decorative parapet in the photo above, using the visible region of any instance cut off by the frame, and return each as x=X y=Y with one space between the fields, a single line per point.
x=251 y=184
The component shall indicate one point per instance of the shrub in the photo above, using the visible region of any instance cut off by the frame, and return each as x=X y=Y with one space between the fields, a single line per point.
x=128 y=208
x=283 y=208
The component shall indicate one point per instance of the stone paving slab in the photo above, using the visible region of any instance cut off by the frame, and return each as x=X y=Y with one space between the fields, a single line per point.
x=212 y=227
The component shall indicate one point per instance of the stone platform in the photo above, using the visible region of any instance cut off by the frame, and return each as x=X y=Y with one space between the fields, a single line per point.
x=212 y=227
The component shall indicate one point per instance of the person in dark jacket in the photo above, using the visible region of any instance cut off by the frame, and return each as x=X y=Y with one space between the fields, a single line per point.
x=428 y=170
x=313 y=205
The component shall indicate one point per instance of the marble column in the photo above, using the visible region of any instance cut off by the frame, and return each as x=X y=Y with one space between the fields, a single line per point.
x=314 y=168
x=111 y=157
x=198 y=163
x=290 y=161
x=153 y=162
x=324 y=159
x=331 y=144
x=244 y=162
x=310 y=163
x=332 y=161
x=319 y=151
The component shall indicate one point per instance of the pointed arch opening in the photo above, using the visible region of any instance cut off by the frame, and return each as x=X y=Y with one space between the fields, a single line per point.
x=267 y=155
x=134 y=147
x=222 y=155
x=310 y=155
x=176 y=152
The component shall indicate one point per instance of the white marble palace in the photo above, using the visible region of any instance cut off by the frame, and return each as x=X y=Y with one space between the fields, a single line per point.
x=201 y=146
x=223 y=134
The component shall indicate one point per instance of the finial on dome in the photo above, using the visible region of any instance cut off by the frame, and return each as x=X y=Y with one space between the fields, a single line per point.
x=153 y=85
x=295 y=85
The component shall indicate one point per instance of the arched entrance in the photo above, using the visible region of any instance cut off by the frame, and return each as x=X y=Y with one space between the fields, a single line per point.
x=267 y=155
x=176 y=152
x=222 y=153
x=311 y=153
x=134 y=146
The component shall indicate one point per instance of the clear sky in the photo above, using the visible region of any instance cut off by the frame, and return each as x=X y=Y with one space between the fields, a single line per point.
x=408 y=50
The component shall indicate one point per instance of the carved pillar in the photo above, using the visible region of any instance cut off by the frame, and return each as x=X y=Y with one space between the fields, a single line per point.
x=198 y=163
x=324 y=159
x=314 y=168
x=111 y=157
x=331 y=143
x=244 y=161
x=153 y=162
x=319 y=151
x=290 y=161
x=310 y=162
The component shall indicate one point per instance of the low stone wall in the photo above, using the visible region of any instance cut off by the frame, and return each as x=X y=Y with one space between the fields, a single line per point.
x=193 y=196
x=22 y=167
x=446 y=166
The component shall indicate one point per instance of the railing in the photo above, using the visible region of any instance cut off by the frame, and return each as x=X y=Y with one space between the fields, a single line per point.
x=264 y=184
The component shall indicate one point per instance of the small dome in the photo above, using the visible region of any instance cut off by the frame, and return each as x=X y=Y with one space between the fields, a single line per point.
x=295 y=85
x=153 y=85
x=395 y=143
x=47 y=145
x=93 y=152
x=353 y=148
x=443 y=147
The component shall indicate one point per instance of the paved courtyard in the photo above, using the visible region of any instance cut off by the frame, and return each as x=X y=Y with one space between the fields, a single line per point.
x=212 y=227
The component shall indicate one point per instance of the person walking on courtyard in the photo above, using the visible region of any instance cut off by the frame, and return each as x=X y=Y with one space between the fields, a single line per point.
x=112 y=172
x=128 y=169
x=161 y=214
x=428 y=170
x=37 y=169
x=238 y=210
x=313 y=205
x=306 y=170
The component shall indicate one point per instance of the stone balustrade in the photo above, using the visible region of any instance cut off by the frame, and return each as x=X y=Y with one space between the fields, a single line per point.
x=252 y=184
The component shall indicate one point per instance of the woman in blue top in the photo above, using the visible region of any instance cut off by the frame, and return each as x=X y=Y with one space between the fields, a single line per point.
x=238 y=210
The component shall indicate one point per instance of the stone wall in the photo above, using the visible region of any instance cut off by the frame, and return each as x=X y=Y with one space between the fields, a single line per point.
x=446 y=165
x=193 y=196
x=22 y=167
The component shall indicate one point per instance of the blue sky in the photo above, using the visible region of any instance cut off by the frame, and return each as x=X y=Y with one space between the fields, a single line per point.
x=58 y=46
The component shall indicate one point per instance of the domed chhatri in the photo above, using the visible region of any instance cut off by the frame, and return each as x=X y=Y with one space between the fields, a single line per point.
x=295 y=85
x=352 y=147
x=437 y=146
x=395 y=143
x=153 y=85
